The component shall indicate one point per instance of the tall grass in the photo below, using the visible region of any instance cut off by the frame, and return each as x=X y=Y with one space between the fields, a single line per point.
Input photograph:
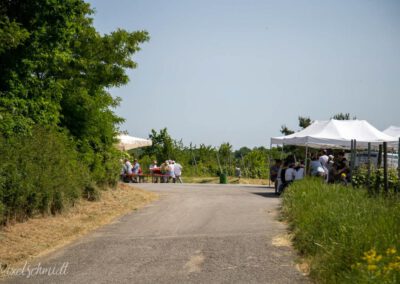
x=347 y=236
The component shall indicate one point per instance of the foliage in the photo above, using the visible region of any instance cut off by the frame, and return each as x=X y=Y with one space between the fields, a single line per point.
x=379 y=267
x=39 y=173
x=360 y=179
x=285 y=130
x=337 y=228
x=206 y=160
x=343 y=116
x=56 y=70
x=304 y=121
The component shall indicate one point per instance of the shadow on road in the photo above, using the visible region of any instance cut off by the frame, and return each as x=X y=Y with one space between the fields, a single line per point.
x=266 y=194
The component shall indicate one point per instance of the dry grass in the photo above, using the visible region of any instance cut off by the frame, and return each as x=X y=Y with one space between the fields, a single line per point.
x=282 y=240
x=40 y=235
x=231 y=180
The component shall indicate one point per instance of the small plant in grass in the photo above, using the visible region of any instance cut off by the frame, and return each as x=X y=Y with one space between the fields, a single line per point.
x=377 y=267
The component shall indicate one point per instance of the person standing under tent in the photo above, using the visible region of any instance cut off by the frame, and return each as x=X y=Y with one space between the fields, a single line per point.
x=282 y=177
x=331 y=170
x=342 y=169
x=274 y=173
x=290 y=174
x=299 y=171
x=324 y=159
x=316 y=167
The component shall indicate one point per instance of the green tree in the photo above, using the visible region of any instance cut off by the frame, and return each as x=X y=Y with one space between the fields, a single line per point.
x=343 y=116
x=163 y=147
x=56 y=72
x=304 y=122
x=285 y=130
x=241 y=152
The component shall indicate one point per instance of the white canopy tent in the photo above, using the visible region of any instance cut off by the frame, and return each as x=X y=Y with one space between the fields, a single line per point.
x=127 y=142
x=336 y=134
x=393 y=131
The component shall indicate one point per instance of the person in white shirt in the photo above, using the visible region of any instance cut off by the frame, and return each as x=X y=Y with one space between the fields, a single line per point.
x=290 y=174
x=299 y=171
x=177 y=171
x=323 y=159
x=128 y=167
x=126 y=170
x=171 y=171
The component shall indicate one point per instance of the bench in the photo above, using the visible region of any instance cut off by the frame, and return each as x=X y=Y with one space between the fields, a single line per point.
x=141 y=178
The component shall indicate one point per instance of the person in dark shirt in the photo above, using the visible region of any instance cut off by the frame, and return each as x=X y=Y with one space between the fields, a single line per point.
x=282 y=177
x=342 y=169
x=273 y=173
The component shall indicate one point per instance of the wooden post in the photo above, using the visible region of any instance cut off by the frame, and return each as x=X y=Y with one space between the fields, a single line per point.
x=379 y=157
x=369 y=168
x=351 y=159
x=355 y=152
x=306 y=160
x=385 y=168
x=398 y=167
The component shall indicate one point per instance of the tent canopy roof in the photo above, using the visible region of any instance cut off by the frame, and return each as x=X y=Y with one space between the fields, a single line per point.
x=127 y=142
x=335 y=134
x=392 y=131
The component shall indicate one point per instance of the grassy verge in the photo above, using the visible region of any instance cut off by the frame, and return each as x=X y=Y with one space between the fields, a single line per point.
x=345 y=235
x=231 y=180
x=23 y=241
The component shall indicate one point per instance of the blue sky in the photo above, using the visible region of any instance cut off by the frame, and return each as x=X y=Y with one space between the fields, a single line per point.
x=235 y=71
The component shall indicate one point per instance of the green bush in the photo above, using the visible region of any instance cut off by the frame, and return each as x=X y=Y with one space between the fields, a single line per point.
x=360 y=179
x=348 y=236
x=39 y=173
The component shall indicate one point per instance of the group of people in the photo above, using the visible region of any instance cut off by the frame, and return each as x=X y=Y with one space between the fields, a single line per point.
x=131 y=172
x=330 y=169
x=283 y=173
x=169 y=171
x=323 y=165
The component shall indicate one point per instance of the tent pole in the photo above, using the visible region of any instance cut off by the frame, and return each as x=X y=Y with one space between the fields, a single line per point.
x=385 y=168
x=369 y=168
x=355 y=152
x=351 y=159
x=269 y=163
x=306 y=161
x=398 y=165
x=379 y=156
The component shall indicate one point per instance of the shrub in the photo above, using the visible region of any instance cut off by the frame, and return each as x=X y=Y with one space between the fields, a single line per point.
x=39 y=173
x=360 y=179
x=336 y=227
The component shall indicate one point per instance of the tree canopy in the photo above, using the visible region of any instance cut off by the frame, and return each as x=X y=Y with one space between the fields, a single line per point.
x=56 y=70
